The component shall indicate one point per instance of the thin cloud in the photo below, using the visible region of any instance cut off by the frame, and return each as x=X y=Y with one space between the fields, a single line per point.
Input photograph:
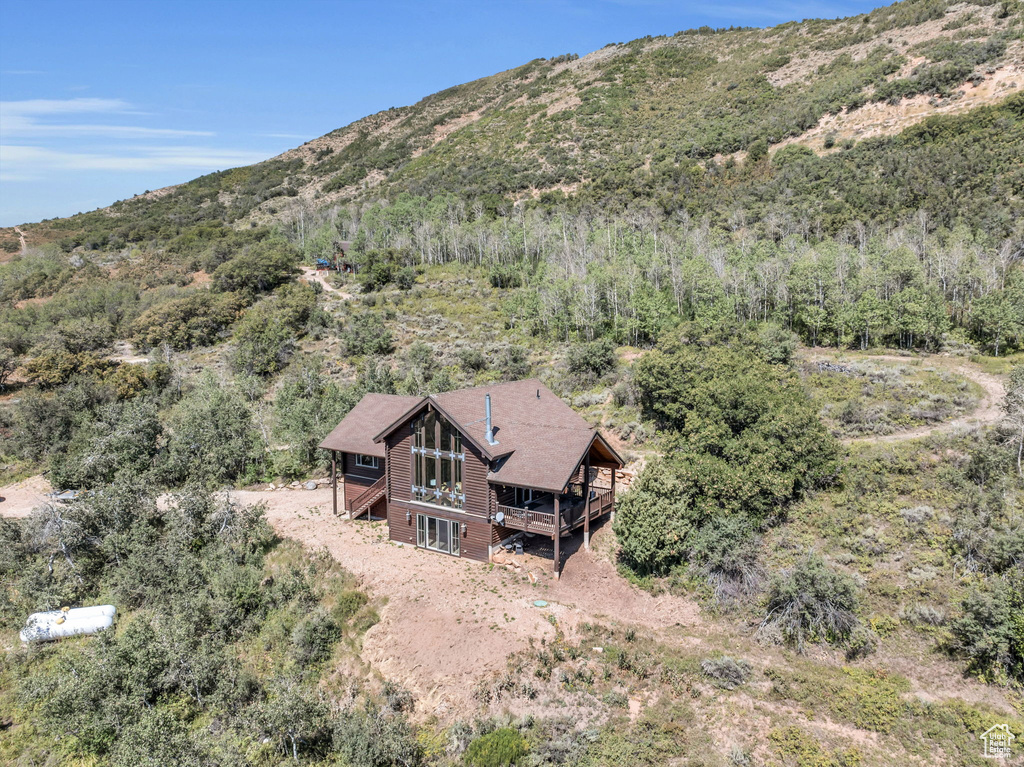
x=29 y=119
x=24 y=162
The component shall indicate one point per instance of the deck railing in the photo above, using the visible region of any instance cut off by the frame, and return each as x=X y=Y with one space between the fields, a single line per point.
x=527 y=519
x=601 y=502
x=368 y=497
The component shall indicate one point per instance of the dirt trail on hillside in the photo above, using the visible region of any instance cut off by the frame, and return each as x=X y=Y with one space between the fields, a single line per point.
x=310 y=274
x=987 y=411
x=21 y=236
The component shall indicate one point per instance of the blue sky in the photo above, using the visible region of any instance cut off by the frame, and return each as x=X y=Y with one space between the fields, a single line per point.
x=103 y=100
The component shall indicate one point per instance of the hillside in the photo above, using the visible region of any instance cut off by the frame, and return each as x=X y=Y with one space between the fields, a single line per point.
x=661 y=118
x=779 y=269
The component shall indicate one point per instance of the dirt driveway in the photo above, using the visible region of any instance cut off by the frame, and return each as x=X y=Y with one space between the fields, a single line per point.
x=447 y=622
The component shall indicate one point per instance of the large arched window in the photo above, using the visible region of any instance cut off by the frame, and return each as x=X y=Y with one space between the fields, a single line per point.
x=437 y=461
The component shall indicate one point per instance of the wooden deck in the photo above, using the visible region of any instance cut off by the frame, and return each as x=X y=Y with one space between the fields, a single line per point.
x=541 y=518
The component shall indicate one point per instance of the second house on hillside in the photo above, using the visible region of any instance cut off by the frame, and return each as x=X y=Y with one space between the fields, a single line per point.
x=462 y=472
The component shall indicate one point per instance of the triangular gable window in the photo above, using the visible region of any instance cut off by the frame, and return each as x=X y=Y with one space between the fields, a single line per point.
x=437 y=461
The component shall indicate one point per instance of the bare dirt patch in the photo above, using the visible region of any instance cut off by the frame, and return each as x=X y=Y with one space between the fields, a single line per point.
x=19 y=499
x=311 y=274
x=478 y=614
x=884 y=119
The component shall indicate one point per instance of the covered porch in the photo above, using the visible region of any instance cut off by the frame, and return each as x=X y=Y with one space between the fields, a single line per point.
x=589 y=495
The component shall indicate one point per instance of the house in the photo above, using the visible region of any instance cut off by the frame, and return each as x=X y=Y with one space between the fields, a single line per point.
x=462 y=472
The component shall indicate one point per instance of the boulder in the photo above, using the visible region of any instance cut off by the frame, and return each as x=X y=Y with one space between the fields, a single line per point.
x=311 y=485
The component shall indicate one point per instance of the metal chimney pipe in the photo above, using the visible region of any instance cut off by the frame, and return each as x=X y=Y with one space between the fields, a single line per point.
x=490 y=427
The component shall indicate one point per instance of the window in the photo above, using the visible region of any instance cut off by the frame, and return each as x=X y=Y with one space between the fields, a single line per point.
x=366 y=461
x=437 y=534
x=525 y=496
x=437 y=462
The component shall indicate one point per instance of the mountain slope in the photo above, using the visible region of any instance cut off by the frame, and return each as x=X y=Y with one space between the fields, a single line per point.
x=559 y=124
x=662 y=118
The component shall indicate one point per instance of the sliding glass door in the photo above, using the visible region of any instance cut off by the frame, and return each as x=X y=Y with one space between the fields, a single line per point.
x=437 y=534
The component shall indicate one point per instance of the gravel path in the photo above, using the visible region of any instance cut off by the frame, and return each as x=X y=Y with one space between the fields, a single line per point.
x=987 y=411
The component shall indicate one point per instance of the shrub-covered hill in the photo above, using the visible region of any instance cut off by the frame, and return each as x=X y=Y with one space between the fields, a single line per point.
x=684 y=120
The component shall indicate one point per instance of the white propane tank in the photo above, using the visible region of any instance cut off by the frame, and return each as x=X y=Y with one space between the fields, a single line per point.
x=57 y=624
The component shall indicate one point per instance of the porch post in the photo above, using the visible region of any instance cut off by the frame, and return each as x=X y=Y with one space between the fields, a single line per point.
x=586 y=502
x=334 y=480
x=558 y=538
x=614 y=470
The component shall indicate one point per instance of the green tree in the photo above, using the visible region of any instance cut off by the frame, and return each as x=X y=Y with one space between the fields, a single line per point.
x=260 y=268
x=212 y=438
x=264 y=342
x=119 y=438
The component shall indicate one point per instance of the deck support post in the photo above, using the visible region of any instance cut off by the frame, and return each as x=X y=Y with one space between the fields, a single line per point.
x=334 y=481
x=586 y=502
x=558 y=539
x=613 y=494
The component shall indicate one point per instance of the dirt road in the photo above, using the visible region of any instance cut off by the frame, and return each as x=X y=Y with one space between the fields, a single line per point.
x=310 y=274
x=21 y=236
x=987 y=411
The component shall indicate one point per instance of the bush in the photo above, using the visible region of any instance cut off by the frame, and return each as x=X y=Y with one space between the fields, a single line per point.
x=757 y=150
x=811 y=602
x=726 y=672
x=314 y=637
x=747 y=442
x=263 y=342
x=262 y=267
x=752 y=436
x=776 y=345
x=367 y=334
x=472 y=360
x=653 y=520
x=374 y=738
x=120 y=438
x=53 y=365
x=590 y=361
x=195 y=319
x=513 y=363
x=212 y=438
x=501 y=748
x=990 y=633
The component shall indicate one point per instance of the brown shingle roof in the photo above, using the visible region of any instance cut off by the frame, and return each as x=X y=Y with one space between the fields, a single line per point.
x=355 y=432
x=540 y=439
x=543 y=439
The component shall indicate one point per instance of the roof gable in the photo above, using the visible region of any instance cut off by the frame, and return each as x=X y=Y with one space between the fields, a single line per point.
x=540 y=440
x=355 y=432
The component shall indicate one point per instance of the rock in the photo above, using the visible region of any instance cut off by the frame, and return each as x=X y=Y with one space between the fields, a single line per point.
x=294 y=484
x=311 y=485
x=598 y=649
x=272 y=486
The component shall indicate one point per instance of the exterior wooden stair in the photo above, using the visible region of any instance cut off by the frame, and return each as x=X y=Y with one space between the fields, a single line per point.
x=363 y=502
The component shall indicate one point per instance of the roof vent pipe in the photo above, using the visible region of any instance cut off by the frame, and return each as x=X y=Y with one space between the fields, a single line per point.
x=490 y=428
